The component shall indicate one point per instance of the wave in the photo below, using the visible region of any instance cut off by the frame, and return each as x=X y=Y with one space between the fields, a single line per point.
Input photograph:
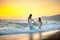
x=9 y=24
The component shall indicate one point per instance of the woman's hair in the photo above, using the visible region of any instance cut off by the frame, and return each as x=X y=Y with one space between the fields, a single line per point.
x=30 y=16
x=39 y=19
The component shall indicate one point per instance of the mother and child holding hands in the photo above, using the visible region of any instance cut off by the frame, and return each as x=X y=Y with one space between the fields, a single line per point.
x=30 y=22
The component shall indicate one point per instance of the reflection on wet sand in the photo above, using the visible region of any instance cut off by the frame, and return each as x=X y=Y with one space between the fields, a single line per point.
x=34 y=36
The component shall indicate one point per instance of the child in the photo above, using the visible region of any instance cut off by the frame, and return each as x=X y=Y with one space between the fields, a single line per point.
x=39 y=22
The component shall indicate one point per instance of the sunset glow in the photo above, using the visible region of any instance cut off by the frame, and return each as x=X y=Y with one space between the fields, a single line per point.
x=11 y=9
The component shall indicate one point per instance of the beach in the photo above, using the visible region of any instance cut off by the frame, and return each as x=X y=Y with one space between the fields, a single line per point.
x=35 y=36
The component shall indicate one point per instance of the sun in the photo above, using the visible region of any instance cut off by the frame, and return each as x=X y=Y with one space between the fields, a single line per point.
x=21 y=9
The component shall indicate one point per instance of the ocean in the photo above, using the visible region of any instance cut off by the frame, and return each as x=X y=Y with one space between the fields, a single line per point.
x=15 y=26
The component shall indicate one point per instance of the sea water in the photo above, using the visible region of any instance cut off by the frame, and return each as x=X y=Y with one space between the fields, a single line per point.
x=15 y=26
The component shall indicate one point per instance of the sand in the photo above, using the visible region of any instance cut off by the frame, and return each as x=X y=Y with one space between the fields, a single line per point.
x=36 y=36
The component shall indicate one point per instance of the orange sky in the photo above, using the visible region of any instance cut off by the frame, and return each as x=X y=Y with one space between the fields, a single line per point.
x=11 y=9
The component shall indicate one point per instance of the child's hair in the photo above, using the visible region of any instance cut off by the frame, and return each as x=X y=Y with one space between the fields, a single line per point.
x=39 y=19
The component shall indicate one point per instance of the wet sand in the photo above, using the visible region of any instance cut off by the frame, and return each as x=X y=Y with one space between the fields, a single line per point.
x=35 y=36
x=55 y=36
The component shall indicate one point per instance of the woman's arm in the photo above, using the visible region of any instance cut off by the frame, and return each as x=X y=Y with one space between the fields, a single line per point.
x=28 y=21
x=33 y=20
x=41 y=22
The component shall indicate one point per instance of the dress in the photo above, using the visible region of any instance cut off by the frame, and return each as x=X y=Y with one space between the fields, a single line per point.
x=30 y=24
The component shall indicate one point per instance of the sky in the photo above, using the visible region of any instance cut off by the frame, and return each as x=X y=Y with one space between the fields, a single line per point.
x=18 y=9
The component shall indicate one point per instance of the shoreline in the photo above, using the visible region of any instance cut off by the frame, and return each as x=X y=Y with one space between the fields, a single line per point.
x=35 y=36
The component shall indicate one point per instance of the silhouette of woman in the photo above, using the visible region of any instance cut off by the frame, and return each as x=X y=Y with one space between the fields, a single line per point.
x=30 y=22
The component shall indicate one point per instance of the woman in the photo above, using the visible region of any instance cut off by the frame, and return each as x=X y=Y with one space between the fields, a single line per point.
x=30 y=22
x=39 y=22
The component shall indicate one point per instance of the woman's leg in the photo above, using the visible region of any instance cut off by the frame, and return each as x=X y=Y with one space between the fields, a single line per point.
x=31 y=27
